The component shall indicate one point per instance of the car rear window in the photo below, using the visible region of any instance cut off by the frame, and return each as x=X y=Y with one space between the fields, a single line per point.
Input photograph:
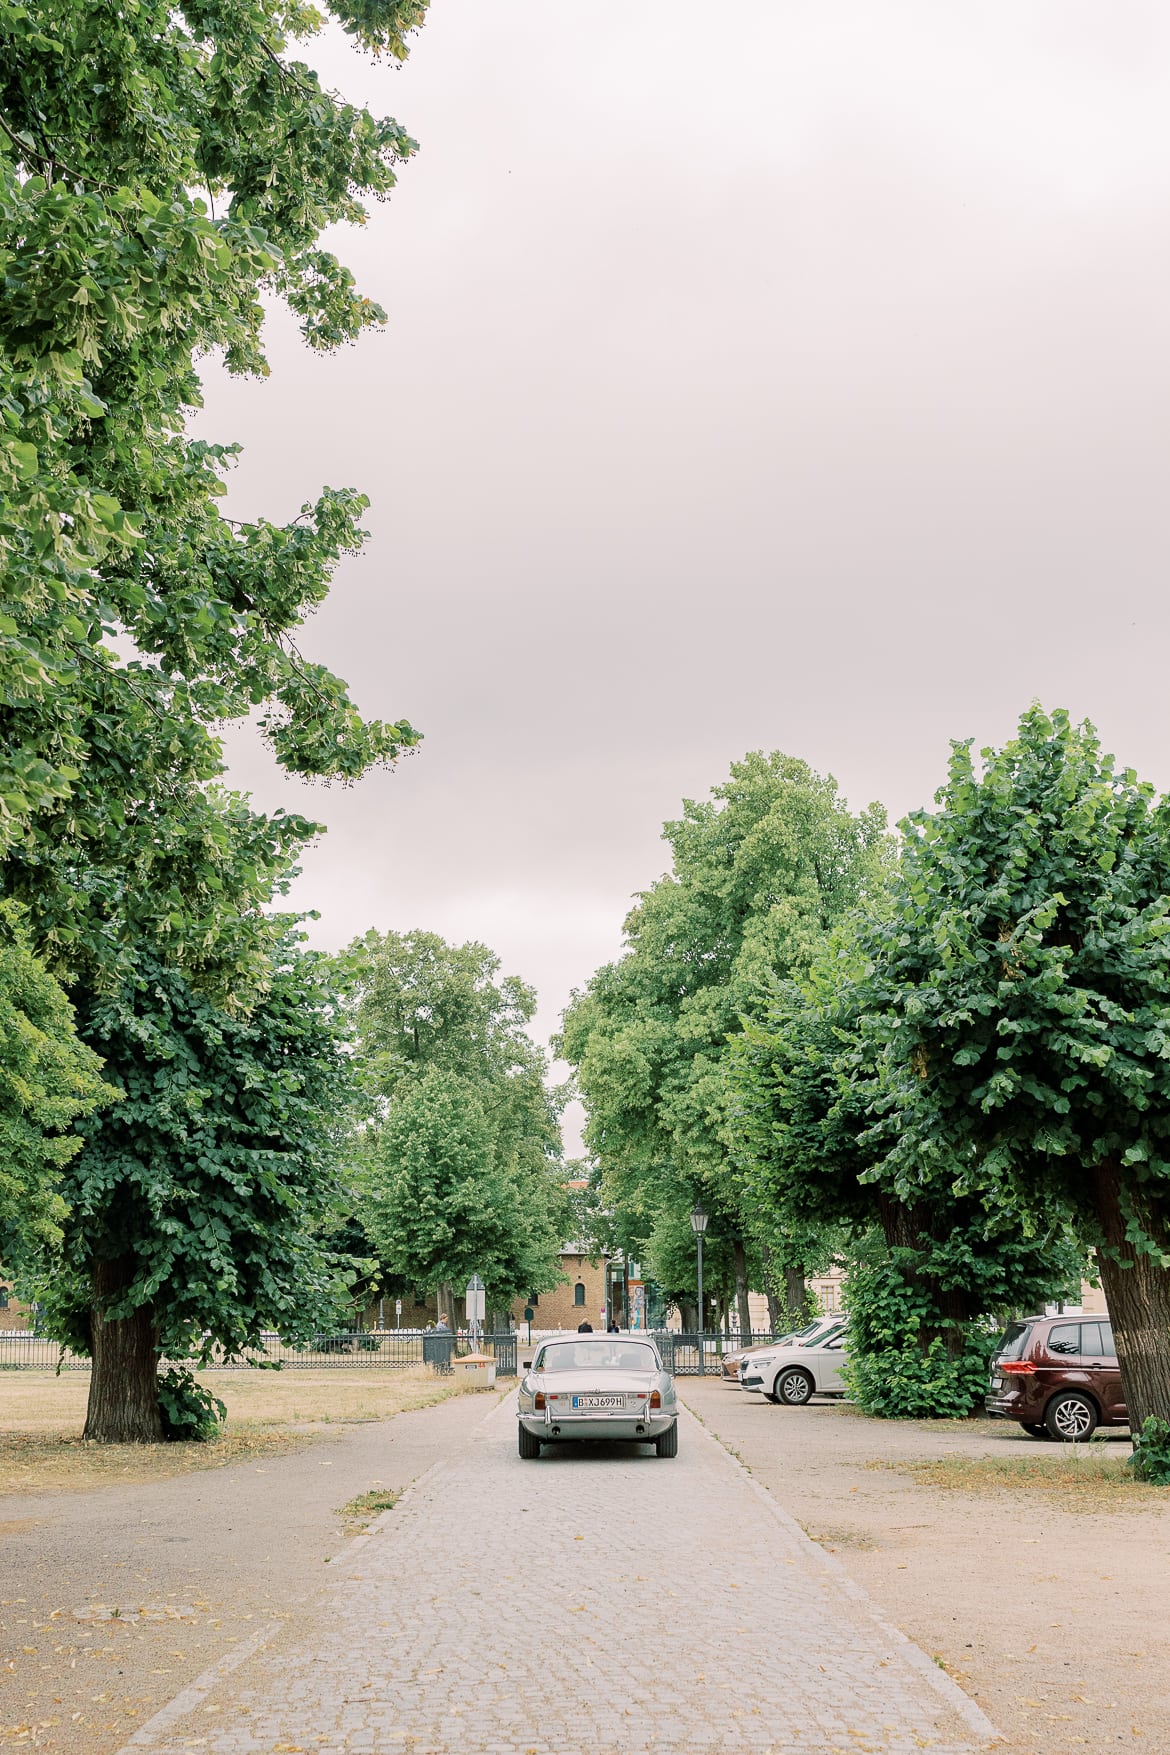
x=596 y=1356
x=1108 y=1344
x=1015 y=1337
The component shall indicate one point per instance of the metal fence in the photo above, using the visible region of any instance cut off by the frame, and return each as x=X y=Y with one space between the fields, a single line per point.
x=381 y=1350
x=680 y=1351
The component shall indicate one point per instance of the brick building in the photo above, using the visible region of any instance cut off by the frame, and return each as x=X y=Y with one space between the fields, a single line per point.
x=579 y=1298
x=15 y=1317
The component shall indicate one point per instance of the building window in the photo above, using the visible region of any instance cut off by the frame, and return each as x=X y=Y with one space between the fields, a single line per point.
x=579 y=1293
x=534 y=1298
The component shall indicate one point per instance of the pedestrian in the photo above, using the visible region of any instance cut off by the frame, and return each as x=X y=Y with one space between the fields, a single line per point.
x=583 y=1328
x=614 y=1329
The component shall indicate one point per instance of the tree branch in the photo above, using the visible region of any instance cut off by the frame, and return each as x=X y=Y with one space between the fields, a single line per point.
x=284 y=72
x=49 y=160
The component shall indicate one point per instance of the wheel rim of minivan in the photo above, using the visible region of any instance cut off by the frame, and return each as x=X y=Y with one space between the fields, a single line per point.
x=1072 y=1419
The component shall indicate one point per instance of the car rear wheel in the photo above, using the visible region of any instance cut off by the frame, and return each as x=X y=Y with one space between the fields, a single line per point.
x=794 y=1388
x=528 y=1446
x=667 y=1445
x=1071 y=1418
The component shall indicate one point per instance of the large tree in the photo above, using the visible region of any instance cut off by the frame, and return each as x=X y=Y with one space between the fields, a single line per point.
x=164 y=171
x=760 y=871
x=1025 y=1018
x=195 y=1205
x=814 y=1123
x=458 y=1147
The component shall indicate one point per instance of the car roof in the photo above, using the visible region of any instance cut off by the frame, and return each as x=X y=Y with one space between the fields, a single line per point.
x=597 y=1338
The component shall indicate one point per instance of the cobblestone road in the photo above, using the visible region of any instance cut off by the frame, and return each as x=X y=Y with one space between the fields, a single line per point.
x=593 y=1602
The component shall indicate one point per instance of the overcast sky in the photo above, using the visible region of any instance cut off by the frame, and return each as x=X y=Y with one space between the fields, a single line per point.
x=766 y=376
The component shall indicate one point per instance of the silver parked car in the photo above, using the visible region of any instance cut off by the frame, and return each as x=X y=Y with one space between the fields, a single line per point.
x=599 y=1387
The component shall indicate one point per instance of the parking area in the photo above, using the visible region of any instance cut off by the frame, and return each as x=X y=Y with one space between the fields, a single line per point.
x=1052 y=1608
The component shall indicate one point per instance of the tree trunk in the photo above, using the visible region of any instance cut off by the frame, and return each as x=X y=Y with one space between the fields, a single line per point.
x=1137 y=1291
x=770 y=1292
x=123 y=1385
x=795 y=1296
x=445 y=1302
x=739 y=1256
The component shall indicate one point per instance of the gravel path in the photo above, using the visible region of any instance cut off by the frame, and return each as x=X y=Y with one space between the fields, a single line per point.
x=193 y=1564
x=590 y=1602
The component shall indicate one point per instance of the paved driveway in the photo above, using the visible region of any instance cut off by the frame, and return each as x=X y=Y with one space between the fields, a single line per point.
x=592 y=1602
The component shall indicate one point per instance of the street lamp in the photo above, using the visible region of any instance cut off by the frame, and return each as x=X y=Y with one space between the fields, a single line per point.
x=698 y=1226
x=476 y=1311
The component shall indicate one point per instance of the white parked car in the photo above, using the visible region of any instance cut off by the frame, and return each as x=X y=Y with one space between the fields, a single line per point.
x=734 y=1362
x=793 y=1375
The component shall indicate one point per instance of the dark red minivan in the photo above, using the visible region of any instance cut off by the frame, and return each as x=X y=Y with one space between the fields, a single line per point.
x=1058 y=1376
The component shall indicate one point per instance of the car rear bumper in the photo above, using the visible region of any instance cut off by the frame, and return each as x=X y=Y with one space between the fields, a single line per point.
x=598 y=1428
x=1012 y=1404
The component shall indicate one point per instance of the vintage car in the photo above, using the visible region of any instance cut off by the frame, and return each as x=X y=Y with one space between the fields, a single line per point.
x=607 y=1388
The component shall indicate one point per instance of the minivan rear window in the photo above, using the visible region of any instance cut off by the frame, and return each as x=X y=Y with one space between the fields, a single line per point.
x=1015 y=1336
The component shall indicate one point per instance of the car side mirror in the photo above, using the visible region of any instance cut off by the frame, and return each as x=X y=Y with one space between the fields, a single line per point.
x=526 y=1364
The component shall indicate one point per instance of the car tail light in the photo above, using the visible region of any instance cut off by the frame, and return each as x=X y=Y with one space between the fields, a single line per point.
x=538 y=1399
x=1016 y=1367
x=655 y=1398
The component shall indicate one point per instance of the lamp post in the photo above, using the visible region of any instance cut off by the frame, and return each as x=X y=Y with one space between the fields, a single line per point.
x=476 y=1301
x=698 y=1226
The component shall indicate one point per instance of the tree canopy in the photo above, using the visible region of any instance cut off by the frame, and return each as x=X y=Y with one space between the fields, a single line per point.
x=459 y=1144
x=760 y=871
x=1024 y=1012
x=49 y=1079
x=816 y=1128
x=163 y=170
x=194 y=1205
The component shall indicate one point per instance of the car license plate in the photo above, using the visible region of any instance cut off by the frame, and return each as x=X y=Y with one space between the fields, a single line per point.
x=609 y=1402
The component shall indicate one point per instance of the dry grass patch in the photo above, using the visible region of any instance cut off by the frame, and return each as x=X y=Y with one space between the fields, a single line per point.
x=833 y=1536
x=1081 y=1477
x=329 y=1397
x=31 y=1463
x=269 y=1414
x=357 y=1513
